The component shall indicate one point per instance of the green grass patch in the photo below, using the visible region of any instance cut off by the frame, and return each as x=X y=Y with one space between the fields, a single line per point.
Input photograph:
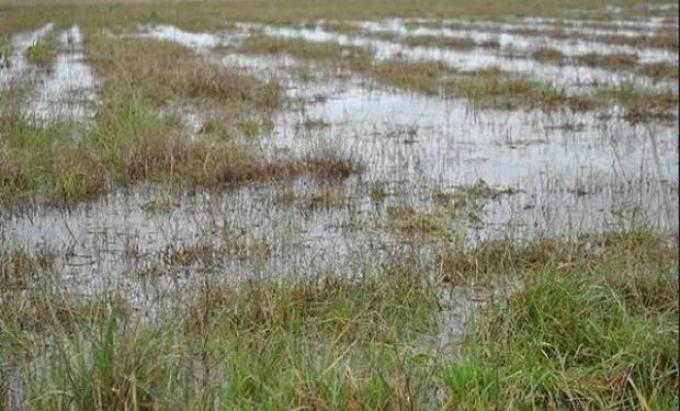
x=586 y=330
x=161 y=71
x=45 y=162
x=265 y=345
x=354 y=57
x=42 y=52
x=593 y=333
x=641 y=105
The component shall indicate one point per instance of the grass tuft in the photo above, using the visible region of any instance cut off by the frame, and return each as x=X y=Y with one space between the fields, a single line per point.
x=43 y=52
x=576 y=337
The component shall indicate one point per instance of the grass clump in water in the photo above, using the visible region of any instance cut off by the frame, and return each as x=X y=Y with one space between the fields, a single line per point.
x=43 y=161
x=42 y=52
x=161 y=70
x=610 y=61
x=458 y=43
x=547 y=54
x=594 y=333
x=424 y=77
x=330 y=343
x=136 y=145
x=642 y=105
x=489 y=88
x=594 y=329
x=5 y=52
x=325 y=51
x=659 y=71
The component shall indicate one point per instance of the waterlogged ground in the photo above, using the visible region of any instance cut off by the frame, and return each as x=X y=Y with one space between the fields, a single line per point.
x=435 y=169
x=556 y=173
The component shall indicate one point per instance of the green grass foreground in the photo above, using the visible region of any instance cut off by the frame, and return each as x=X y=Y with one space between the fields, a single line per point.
x=587 y=330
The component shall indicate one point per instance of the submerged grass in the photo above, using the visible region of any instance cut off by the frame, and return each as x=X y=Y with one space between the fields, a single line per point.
x=664 y=39
x=324 y=51
x=459 y=43
x=587 y=330
x=131 y=141
x=489 y=88
x=660 y=71
x=263 y=345
x=548 y=54
x=640 y=105
x=609 y=61
x=493 y=88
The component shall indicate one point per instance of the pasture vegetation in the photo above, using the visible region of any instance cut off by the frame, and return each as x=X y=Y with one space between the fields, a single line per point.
x=461 y=43
x=659 y=71
x=303 y=49
x=488 y=88
x=594 y=325
x=617 y=61
x=5 y=51
x=665 y=39
x=588 y=323
x=42 y=52
x=131 y=141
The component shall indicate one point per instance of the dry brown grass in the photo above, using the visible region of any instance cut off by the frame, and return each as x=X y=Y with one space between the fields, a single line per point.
x=328 y=165
x=667 y=40
x=326 y=197
x=202 y=253
x=617 y=61
x=164 y=70
x=548 y=54
x=18 y=267
x=642 y=106
x=660 y=71
x=461 y=43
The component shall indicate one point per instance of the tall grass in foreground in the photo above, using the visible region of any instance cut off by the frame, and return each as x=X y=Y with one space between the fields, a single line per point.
x=265 y=345
x=597 y=332
x=598 y=335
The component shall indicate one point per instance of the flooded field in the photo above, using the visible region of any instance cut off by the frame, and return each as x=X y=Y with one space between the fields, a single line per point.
x=312 y=209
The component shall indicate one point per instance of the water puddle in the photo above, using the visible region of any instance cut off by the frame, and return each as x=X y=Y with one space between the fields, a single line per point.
x=69 y=91
x=651 y=23
x=191 y=40
x=569 y=76
x=18 y=68
x=563 y=174
x=479 y=32
x=568 y=180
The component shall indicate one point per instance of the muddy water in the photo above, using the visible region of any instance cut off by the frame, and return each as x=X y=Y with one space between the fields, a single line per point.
x=571 y=174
